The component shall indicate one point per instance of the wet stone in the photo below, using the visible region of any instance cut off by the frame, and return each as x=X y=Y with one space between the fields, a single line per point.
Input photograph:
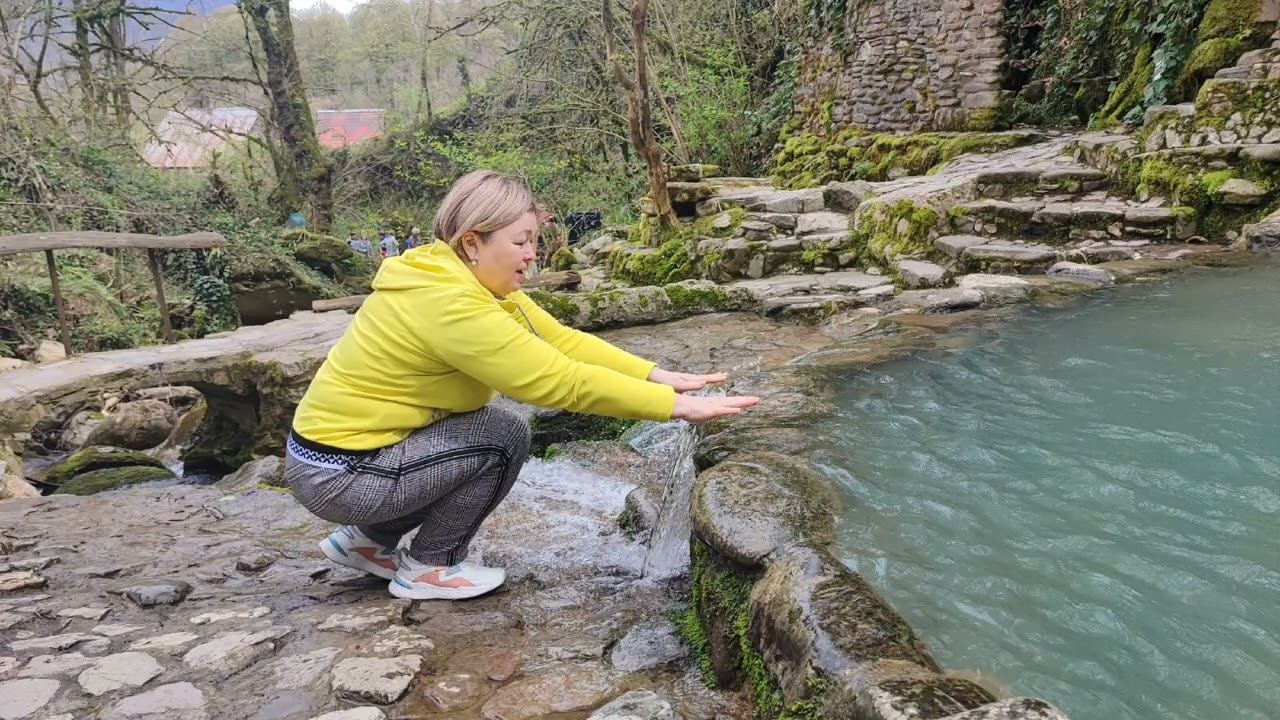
x=55 y=665
x=636 y=705
x=380 y=680
x=400 y=640
x=367 y=619
x=303 y=669
x=649 y=644
x=573 y=689
x=457 y=691
x=116 y=629
x=255 y=562
x=498 y=664
x=166 y=593
x=24 y=697
x=121 y=670
x=65 y=641
x=163 y=700
x=220 y=615
x=87 y=613
x=167 y=643
x=231 y=652
x=452 y=624
x=360 y=713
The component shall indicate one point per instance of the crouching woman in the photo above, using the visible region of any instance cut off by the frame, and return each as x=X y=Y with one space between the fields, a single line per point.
x=396 y=431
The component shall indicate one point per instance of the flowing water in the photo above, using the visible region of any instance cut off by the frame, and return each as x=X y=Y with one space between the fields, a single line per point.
x=1084 y=505
x=668 y=554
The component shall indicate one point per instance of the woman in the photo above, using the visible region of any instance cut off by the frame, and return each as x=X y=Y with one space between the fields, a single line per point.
x=395 y=431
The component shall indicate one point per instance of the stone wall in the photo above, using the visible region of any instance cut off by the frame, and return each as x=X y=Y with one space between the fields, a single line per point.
x=905 y=65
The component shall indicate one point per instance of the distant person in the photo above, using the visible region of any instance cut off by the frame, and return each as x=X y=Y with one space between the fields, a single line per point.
x=359 y=245
x=414 y=239
x=396 y=433
x=296 y=221
x=389 y=246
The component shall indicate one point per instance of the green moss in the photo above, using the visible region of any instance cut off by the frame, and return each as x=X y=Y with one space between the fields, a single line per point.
x=884 y=231
x=1212 y=182
x=1229 y=18
x=273 y=488
x=814 y=257
x=1129 y=93
x=809 y=160
x=564 y=426
x=1207 y=59
x=96 y=481
x=563 y=259
x=91 y=459
x=559 y=305
x=703 y=227
x=627 y=524
x=671 y=262
x=685 y=299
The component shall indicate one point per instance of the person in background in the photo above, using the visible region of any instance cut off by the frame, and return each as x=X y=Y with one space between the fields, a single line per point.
x=359 y=245
x=396 y=432
x=414 y=239
x=388 y=245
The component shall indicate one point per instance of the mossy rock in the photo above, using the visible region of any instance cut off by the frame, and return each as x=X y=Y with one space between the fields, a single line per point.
x=1230 y=18
x=1207 y=59
x=1129 y=94
x=563 y=259
x=560 y=426
x=97 y=481
x=92 y=459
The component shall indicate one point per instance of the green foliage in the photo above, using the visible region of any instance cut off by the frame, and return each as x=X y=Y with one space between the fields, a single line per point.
x=1129 y=93
x=709 y=103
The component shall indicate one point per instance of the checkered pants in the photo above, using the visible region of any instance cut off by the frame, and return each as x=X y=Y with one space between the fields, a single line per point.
x=445 y=478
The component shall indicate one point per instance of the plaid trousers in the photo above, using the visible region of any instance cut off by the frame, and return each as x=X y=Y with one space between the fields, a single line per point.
x=445 y=479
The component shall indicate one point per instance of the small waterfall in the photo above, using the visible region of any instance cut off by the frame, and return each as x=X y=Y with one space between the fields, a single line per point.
x=668 y=554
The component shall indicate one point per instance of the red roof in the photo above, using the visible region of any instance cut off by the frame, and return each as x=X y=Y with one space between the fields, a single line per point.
x=340 y=128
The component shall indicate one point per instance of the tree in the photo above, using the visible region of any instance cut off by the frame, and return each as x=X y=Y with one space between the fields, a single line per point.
x=639 y=116
x=303 y=173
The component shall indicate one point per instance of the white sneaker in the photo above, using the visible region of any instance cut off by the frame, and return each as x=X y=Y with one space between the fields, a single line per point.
x=348 y=546
x=418 y=581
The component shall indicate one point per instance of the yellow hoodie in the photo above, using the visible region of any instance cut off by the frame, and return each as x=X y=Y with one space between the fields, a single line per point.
x=431 y=341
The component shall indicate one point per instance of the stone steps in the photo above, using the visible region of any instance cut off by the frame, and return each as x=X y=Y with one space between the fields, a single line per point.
x=975 y=253
x=1056 y=221
x=1068 y=179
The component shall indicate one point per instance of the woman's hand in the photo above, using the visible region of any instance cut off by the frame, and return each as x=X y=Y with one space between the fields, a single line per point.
x=701 y=408
x=685 y=382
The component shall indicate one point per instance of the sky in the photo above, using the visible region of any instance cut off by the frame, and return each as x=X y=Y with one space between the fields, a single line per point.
x=342 y=6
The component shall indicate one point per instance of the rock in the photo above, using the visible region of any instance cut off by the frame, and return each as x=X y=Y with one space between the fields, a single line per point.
x=121 y=670
x=649 y=644
x=996 y=289
x=255 y=562
x=169 y=642
x=137 y=425
x=451 y=624
x=12 y=482
x=163 y=700
x=846 y=196
x=1103 y=253
x=219 y=615
x=231 y=652
x=636 y=705
x=163 y=593
x=380 y=680
x=1020 y=708
x=115 y=629
x=65 y=641
x=940 y=301
x=79 y=428
x=1262 y=153
x=1074 y=271
x=86 y=613
x=918 y=274
x=366 y=617
x=50 y=351
x=9 y=620
x=24 y=697
x=816 y=223
x=693 y=172
x=399 y=640
x=8 y=363
x=497 y=664
x=878 y=292
x=573 y=689
x=457 y=691
x=55 y=665
x=1019 y=255
x=267 y=470
x=8 y=664
x=20 y=580
x=723 y=221
x=92 y=470
x=360 y=713
x=1238 y=191
x=303 y=669
x=849 y=281
x=954 y=245
x=641 y=513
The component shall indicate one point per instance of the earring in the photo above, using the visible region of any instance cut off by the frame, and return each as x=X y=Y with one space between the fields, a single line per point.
x=474 y=262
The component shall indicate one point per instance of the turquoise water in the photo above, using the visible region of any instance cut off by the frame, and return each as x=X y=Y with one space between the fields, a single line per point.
x=1084 y=504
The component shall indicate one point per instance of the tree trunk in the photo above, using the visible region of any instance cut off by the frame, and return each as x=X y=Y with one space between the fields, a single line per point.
x=304 y=174
x=120 y=90
x=84 y=66
x=639 y=115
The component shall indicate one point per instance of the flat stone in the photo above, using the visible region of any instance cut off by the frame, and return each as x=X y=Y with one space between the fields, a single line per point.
x=360 y=713
x=878 y=292
x=790 y=201
x=255 y=562
x=996 y=288
x=25 y=696
x=162 y=700
x=121 y=670
x=821 y=222
x=1104 y=253
x=498 y=664
x=452 y=624
x=221 y=615
x=9 y=620
x=32 y=564
x=8 y=664
x=954 y=245
x=20 y=580
x=400 y=640
x=1262 y=153
x=303 y=669
x=941 y=301
x=366 y=618
x=1077 y=271
x=1148 y=216
x=636 y=705
x=88 y=613
x=1238 y=191
x=231 y=652
x=848 y=281
x=919 y=274
x=65 y=641
x=782 y=221
x=784 y=244
x=380 y=680
x=116 y=629
x=457 y=691
x=165 y=593
x=55 y=665
x=649 y=644
x=1007 y=176
x=573 y=689
x=846 y=196
x=1017 y=254
x=168 y=642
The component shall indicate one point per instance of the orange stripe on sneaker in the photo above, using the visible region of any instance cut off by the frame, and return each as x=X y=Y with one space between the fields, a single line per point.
x=436 y=577
x=371 y=555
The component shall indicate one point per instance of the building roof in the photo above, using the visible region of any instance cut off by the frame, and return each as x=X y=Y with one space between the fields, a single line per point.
x=341 y=128
x=190 y=138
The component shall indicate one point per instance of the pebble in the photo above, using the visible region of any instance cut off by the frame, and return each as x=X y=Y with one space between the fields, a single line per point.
x=121 y=670
x=380 y=680
x=26 y=696
x=163 y=699
x=168 y=593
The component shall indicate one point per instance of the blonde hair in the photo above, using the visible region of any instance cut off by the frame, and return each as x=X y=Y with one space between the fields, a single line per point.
x=481 y=202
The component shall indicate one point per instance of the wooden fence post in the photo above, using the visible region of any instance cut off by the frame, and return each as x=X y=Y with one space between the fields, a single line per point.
x=154 y=262
x=57 y=301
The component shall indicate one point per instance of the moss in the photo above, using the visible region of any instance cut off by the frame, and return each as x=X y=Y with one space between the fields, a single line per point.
x=561 y=427
x=671 y=262
x=627 y=524
x=91 y=459
x=884 y=231
x=96 y=481
x=1207 y=59
x=273 y=488
x=684 y=299
x=559 y=305
x=563 y=259
x=1212 y=182
x=808 y=160
x=704 y=227
x=1129 y=93
x=1229 y=18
